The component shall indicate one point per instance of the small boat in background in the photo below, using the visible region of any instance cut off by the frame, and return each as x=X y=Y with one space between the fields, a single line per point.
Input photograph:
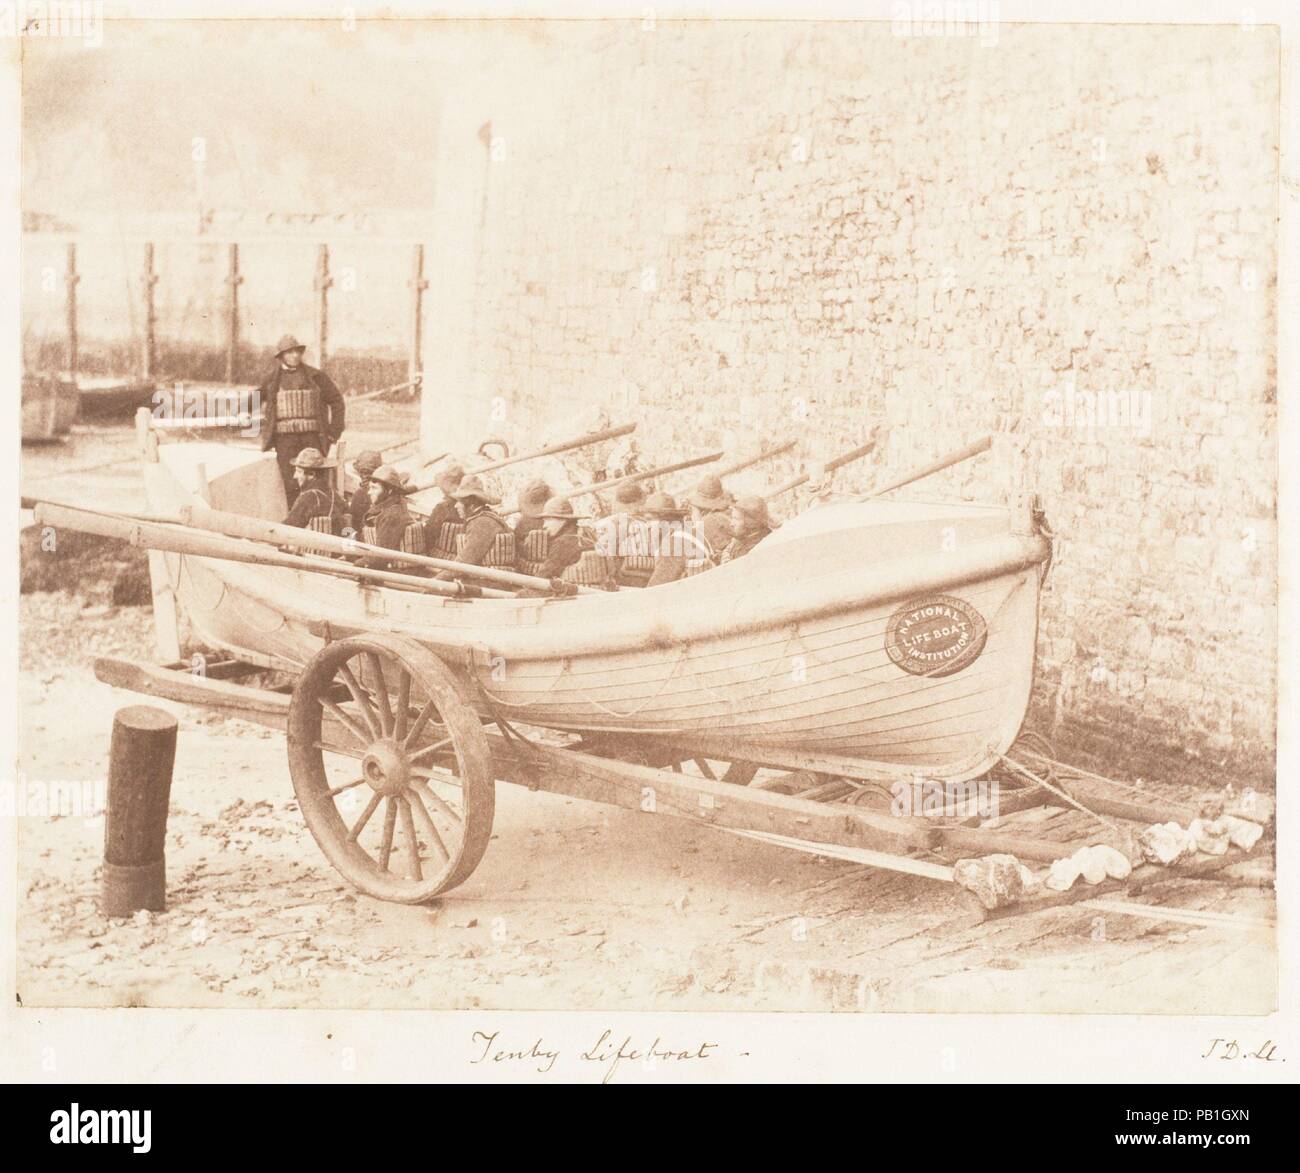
x=49 y=408
x=105 y=396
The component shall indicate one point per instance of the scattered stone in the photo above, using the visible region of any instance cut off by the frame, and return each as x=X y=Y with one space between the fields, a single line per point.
x=1241 y=833
x=1210 y=837
x=996 y=880
x=142 y=917
x=1165 y=843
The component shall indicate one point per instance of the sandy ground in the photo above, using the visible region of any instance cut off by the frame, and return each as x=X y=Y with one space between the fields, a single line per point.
x=574 y=906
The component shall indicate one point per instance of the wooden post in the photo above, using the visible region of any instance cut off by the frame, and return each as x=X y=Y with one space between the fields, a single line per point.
x=141 y=757
x=234 y=280
x=415 y=362
x=148 y=279
x=70 y=280
x=322 y=285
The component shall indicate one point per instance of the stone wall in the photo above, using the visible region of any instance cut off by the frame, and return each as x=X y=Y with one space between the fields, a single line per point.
x=740 y=232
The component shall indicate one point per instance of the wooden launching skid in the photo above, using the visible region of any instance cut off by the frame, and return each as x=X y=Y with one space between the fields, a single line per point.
x=644 y=774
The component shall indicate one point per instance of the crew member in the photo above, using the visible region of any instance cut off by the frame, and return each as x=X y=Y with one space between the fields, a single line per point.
x=750 y=524
x=565 y=541
x=318 y=507
x=359 y=506
x=388 y=518
x=530 y=533
x=444 y=522
x=301 y=408
x=709 y=503
x=669 y=543
x=489 y=541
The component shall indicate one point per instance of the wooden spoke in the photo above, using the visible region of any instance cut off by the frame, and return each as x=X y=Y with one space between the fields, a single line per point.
x=403 y=705
x=343 y=719
x=428 y=749
x=355 y=754
x=408 y=829
x=362 y=701
x=390 y=824
x=421 y=787
x=345 y=786
x=426 y=821
x=381 y=691
x=355 y=833
x=420 y=722
x=433 y=774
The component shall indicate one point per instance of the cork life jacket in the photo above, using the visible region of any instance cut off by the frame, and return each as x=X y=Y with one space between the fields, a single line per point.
x=591 y=568
x=536 y=546
x=298 y=409
x=328 y=513
x=501 y=554
x=446 y=539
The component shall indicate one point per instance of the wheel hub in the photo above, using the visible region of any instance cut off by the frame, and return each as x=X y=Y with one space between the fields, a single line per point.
x=385 y=767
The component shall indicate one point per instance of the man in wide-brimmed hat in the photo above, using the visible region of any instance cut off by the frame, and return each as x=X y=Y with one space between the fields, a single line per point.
x=484 y=528
x=670 y=543
x=317 y=507
x=566 y=545
x=301 y=408
x=445 y=512
x=531 y=503
x=359 y=506
x=388 y=518
x=709 y=503
x=750 y=524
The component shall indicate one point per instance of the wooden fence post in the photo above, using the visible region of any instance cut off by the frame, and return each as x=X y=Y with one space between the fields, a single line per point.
x=70 y=280
x=148 y=279
x=415 y=362
x=322 y=285
x=234 y=280
x=141 y=757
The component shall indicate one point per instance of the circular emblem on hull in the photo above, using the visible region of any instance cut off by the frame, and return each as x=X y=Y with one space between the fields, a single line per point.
x=935 y=636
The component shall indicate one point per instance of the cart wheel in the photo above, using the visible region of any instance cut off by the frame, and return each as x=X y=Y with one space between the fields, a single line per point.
x=402 y=747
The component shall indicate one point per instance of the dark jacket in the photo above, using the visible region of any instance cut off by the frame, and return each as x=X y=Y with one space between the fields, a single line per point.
x=332 y=405
x=390 y=519
x=316 y=500
x=738 y=547
x=359 y=508
x=445 y=511
x=480 y=532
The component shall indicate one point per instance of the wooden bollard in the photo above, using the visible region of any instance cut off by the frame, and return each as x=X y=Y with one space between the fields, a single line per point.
x=140 y=760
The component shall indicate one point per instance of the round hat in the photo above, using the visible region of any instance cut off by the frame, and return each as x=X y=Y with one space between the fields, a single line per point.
x=450 y=477
x=709 y=494
x=473 y=486
x=367 y=462
x=630 y=494
x=662 y=505
x=534 y=498
x=559 y=509
x=755 y=508
x=386 y=474
x=310 y=458
x=288 y=342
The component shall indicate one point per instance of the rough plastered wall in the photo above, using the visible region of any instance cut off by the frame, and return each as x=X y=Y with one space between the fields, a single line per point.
x=740 y=232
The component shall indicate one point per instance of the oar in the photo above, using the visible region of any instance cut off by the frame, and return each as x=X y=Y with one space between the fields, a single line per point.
x=604 y=486
x=33 y=502
x=236 y=525
x=757 y=458
x=830 y=466
x=983 y=444
x=564 y=446
x=550 y=450
x=180 y=539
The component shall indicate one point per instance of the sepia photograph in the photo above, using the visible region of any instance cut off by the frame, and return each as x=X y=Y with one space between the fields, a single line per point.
x=645 y=512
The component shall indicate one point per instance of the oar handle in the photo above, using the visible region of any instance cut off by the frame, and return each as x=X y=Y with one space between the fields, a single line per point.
x=983 y=444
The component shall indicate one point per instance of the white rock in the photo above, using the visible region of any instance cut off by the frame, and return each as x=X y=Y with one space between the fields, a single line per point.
x=1165 y=843
x=1241 y=832
x=1210 y=837
x=1062 y=874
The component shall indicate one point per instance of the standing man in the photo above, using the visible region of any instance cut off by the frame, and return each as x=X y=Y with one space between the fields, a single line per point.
x=301 y=408
x=318 y=507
